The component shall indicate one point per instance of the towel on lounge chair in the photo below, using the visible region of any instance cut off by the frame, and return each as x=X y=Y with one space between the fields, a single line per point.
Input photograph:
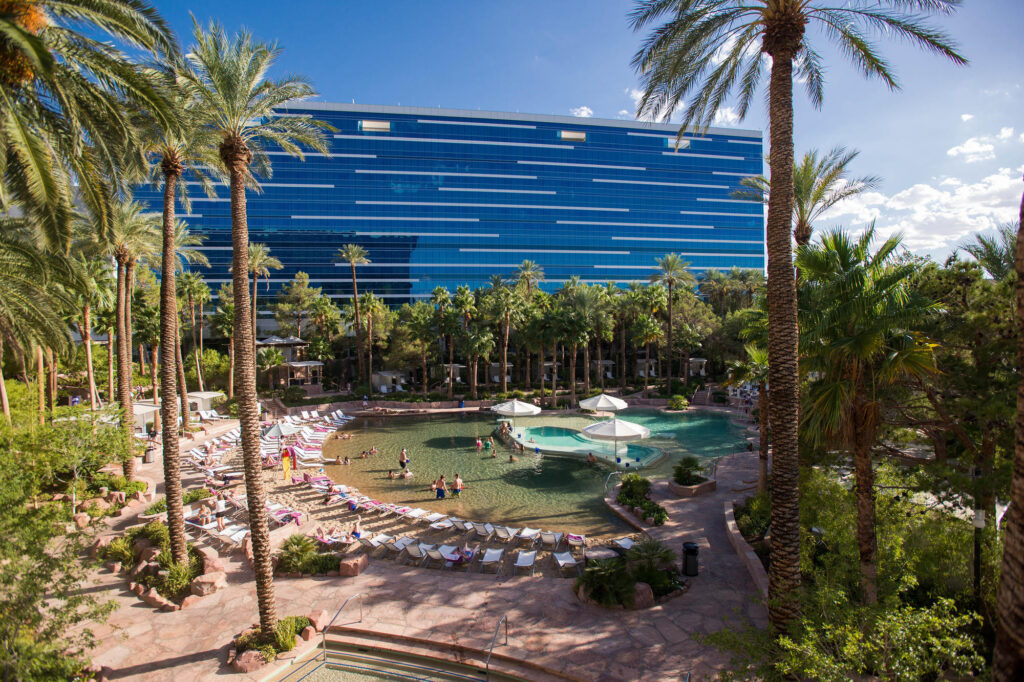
x=575 y=540
x=505 y=533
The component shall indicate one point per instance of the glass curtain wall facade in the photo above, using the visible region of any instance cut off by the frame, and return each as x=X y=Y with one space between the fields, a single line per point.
x=447 y=197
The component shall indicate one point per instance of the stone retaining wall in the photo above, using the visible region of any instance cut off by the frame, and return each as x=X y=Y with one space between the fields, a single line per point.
x=746 y=553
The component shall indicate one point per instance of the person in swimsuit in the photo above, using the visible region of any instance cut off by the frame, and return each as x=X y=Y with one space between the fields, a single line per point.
x=442 y=488
x=591 y=459
x=357 y=527
x=403 y=459
x=391 y=474
x=479 y=443
x=457 y=486
x=373 y=450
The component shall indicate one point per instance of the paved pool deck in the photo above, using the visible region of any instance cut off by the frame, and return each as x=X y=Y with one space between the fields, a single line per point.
x=547 y=624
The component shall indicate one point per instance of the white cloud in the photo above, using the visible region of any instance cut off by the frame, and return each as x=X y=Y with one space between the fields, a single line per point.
x=624 y=113
x=966 y=117
x=583 y=111
x=726 y=116
x=935 y=218
x=974 y=149
x=1021 y=138
x=1005 y=133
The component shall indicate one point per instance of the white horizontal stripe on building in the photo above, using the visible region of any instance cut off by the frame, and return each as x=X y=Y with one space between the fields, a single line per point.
x=378 y=280
x=189 y=215
x=482 y=235
x=742 y=175
x=742 y=142
x=651 y=267
x=705 y=156
x=741 y=215
x=580 y=165
x=666 y=184
x=732 y=201
x=346 y=296
x=472 y=123
x=527 y=250
x=441 y=203
x=428 y=265
x=597 y=222
x=266 y=184
x=680 y=239
x=378 y=217
x=454 y=175
x=212 y=248
x=492 y=143
x=334 y=156
x=672 y=138
x=488 y=189
x=195 y=199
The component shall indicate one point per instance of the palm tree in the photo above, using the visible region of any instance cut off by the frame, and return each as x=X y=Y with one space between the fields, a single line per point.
x=819 y=183
x=260 y=265
x=183 y=253
x=193 y=289
x=754 y=370
x=325 y=316
x=64 y=92
x=229 y=77
x=97 y=292
x=446 y=326
x=507 y=306
x=705 y=50
x=672 y=273
x=477 y=341
x=646 y=331
x=356 y=255
x=267 y=359
x=1008 y=657
x=858 y=313
x=995 y=254
x=420 y=321
x=529 y=275
x=223 y=322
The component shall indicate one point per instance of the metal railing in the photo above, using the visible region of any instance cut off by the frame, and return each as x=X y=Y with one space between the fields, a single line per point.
x=609 y=477
x=323 y=633
x=490 y=650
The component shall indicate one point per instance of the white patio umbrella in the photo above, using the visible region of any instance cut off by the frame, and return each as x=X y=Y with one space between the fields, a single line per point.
x=516 y=408
x=604 y=403
x=616 y=430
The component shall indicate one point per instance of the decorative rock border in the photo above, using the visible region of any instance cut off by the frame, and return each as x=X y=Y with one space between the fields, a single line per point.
x=643 y=597
x=704 y=488
x=624 y=513
x=746 y=552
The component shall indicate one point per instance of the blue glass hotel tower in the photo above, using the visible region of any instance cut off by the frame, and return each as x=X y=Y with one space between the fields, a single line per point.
x=442 y=197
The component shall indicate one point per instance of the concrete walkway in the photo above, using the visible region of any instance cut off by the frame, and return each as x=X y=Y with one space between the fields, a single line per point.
x=547 y=624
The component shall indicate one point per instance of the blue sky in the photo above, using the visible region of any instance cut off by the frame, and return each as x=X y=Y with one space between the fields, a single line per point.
x=949 y=146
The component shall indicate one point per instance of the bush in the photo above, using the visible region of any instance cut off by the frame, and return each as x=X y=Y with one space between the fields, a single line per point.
x=297 y=554
x=652 y=562
x=633 y=493
x=753 y=516
x=720 y=397
x=120 y=550
x=678 y=402
x=635 y=486
x=607 y=582
x=293 y=395
x=687 y=471
x=283 y=639
x=188 y=497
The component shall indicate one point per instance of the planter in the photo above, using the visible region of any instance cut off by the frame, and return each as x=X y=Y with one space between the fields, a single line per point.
x=745 y=552
x=704 y=488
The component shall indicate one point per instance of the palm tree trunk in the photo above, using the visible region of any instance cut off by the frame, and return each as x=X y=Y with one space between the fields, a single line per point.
x=506 y=325
x=182 y=385
x=110 y=365
x=369 y=352
x=86 y=332
x=255 y=283
x=554 y=374
x=670 y=349
x=1008 y=659
x=864 y=485
x=51 y=359
x=124 y=367
x=472 y=376
x=195 y=345
x=540 y=364
x=169 y=369
x=129 y=274
x=451 y=365
x=622 y=353
x=600 y=365
x=647 y=368
x=572 y=375
x=586 y=367
x=231 y=367
x=423 y=359
x=236 y=156
x=5 y=405
x=526 y=376
x=359 y=329
x=784 y=569
x=762 y=452
x=154 y=374
x=40 y=383
x=142 y=358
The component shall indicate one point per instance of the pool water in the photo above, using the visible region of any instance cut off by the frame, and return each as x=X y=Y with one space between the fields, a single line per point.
x=540 y=491
x=558 y=439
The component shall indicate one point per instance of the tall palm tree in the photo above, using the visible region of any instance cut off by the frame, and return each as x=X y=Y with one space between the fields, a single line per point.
x=193 y=289
x=97 y=292
x=820 y=181
x=858 y=314
x=646 y=331
x=356 y=255
x=478 y=341
x=223 y=321
x=373 y=309
x=671 y=274
x=507 y=306
x=1008 y=658
x=229 y=77
x=420 y=321
x=441 y=298
x=260 y=265
x=754 y=370
x=529 y=275
x=705 y=51
x=995 y=254
x=67 y=97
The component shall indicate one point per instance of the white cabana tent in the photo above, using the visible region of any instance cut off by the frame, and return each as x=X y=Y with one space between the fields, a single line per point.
x=604 y=403
x=201 y=401
x=616 y=430
x=516 y=408
x=145 y=414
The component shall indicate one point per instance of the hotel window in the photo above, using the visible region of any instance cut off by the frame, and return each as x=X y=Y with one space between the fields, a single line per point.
x=573 y=135
x=375 y=126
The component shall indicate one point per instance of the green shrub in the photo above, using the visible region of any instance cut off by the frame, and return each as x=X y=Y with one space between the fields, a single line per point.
x=635 y=486
x=298 y=552
x=189 y=497
x=293 y=395
x=687 y=471
x=720 y=397
x=323 y=563
x=678 y=402
x=607 y=582
x=120 y=550
x=282 y=640
x=753 y=516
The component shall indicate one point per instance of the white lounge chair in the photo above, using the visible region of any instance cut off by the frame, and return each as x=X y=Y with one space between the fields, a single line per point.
x=399 y=544
x=530 y=535
x=374 y=543
x=505 y=533
x=433 y=518
x=624 y=543
x=566 y=560
x=492 y=557
x=440 y=554
x=575 y=541
x=553 y=540
x=483 y=530
x=416 y=551
x=525 y=559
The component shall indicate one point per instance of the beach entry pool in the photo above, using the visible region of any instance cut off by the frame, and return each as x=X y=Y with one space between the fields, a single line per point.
x=562 y=440
x=540 y=491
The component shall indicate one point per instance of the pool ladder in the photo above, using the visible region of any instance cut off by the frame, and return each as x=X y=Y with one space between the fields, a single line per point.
x=609 y=478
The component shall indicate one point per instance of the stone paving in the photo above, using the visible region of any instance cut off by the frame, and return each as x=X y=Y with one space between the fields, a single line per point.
x=548 y=625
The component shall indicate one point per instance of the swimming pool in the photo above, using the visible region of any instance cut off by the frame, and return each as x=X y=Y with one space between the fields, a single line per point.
x=561 y=440
x=548 y=491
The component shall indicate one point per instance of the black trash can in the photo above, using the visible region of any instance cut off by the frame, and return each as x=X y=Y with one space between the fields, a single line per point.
x=690 y=551
x=462 y=403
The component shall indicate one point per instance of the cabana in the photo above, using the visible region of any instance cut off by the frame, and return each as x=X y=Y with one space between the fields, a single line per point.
x=306 y=373
x=697 y=366
x=292 y=347
x=146 y=413
x=456 y=373
x=389 y=381
x=202 y=401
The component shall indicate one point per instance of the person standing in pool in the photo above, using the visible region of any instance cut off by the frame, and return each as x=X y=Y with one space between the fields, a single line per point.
x=442 y=488
x=403 y=459
x=487 y=444
x=479 y=443
x=457 y=486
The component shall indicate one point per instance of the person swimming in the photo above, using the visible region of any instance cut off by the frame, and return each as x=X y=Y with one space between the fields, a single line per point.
x=513 y=458
x=391 y=474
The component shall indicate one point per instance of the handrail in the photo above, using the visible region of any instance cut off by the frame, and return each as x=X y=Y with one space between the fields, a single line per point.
x=608 y=478
x=497 y=628
x=323 y=633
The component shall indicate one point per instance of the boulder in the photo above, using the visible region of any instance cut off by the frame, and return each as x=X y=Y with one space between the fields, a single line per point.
x=81 y=520
x=140 y=546
x=353 y=566
x=208 y=583
x=153 y=598
x=232 y=653
x=150 y=554
x=115 y=497
x=138 y=588
x=98 y=503
x=138 y=569
x=114 y=566
x=139 y=496
x=319 y=619
x=213 y=566
x=248 y=661
x=643 y=596
x=60 y=497
x=307 y=633
x=169 y=606
x=189 y=600
x=100 y=542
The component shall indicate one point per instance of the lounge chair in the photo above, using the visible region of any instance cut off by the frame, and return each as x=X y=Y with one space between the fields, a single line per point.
x=553 y=540
x=492 y=557
x=625 y=544
x=483 y=530
x=442 y=554
x=525 y=559
x=433 y=518
x=530 y=535
x=399 y=544
x=415 y=514
x=566 y=560
x=374 y=543
x=505 y=533
x=416 y=551
x=575 y=541
x=443 y=525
